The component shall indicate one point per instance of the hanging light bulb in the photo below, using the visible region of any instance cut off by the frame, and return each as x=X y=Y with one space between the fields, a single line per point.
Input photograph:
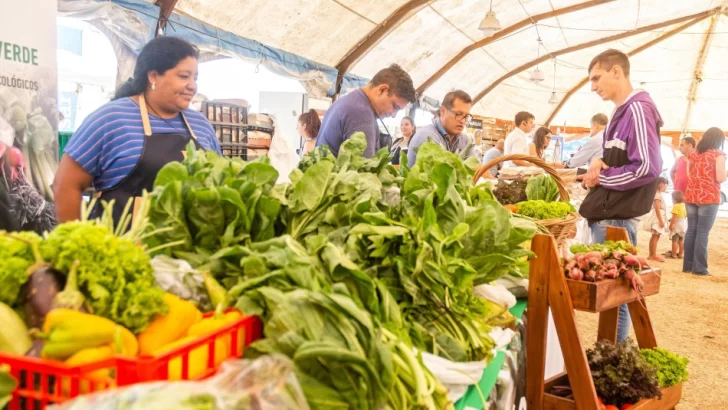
x=490 y=23
x=554 y=99
x=537 y=75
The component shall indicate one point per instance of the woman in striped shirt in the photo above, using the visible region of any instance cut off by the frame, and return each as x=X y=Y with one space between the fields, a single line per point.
x=120 y=148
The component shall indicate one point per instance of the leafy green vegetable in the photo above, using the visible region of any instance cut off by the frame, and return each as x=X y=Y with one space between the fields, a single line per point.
x=510 y=192
x=620 y=374
x=114 y=274
x=542 y=187
x=207 y=203
x=7 y=385
x=671 y=368
x=609 y=246
x=545 y=210
x=17 y=256
x=344 y=358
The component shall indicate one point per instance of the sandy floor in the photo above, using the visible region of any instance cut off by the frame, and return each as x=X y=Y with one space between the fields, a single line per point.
x=690 y=316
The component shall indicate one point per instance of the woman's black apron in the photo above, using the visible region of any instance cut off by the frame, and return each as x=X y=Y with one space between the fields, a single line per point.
x=157 y=151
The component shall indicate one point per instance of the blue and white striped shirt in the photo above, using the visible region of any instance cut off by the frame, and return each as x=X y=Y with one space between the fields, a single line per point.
x=109 y=143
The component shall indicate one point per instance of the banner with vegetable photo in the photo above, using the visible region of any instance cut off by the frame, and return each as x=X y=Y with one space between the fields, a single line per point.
x=28 y=93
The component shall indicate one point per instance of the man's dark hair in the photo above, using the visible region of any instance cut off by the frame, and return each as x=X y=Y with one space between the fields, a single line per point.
x=609 y=59
x=600 y=119
x=712 y=139
x=690 y=140
x=522 y=117
x=450 y=98
x=398 y=81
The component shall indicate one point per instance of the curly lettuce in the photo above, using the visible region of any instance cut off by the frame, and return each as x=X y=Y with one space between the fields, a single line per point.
x=115 y=275
x=16 y=252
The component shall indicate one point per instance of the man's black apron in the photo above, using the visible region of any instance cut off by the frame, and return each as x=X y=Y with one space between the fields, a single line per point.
x=157 y=151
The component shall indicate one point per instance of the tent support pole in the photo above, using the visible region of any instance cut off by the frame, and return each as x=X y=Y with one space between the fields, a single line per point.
x=503 y=33
x=633 y=52
x=589 y=44
x=388 y=25
x=165 y=10
x=698 y=74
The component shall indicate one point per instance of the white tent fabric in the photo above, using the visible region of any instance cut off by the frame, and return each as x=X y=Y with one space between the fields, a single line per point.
x=435 y=31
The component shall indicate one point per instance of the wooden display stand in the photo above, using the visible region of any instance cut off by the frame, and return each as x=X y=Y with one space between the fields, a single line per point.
x=549 y=288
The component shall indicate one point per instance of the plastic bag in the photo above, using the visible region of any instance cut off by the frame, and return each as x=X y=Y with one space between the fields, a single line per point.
x=495 y=293
x=179 y=278
x=456 y=376
x=282 y=158
x=267 y=383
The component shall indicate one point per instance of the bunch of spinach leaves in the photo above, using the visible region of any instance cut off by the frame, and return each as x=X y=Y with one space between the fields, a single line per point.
x=208 y=202
x=343 y=357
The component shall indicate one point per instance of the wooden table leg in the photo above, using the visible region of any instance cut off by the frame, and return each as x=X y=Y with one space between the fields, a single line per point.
x=643 y=330
x=537 y=315
x=608 y=325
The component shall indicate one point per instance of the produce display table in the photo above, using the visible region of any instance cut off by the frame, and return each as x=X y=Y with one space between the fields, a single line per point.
x=472 y=398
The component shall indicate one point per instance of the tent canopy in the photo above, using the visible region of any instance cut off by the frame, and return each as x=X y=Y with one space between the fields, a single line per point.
x=680 y=48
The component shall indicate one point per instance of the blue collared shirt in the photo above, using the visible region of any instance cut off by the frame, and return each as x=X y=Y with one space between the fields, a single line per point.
x=436 y=133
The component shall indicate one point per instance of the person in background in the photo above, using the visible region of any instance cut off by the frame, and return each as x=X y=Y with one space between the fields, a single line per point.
x=493 y=153
x=623 y=182
x=706 y=171
x=679 y=170
x=593 y=147
x=386 y=94
x=407 y=125
x=541 y=141
x=447 y=129
x=120 y=148
x=517 y=140
x=656 y=221
x=308 y=128
x=678 y=224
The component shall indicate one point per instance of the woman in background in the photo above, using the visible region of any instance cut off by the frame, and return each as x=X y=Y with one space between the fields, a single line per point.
x=402 y=144
x=541 y=141
x=706 y=171
x=308 y=128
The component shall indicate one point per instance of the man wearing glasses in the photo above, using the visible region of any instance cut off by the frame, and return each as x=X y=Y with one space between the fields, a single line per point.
x=447 y=129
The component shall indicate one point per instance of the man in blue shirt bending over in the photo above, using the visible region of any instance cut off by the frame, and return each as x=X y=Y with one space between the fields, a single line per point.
x=386 y=94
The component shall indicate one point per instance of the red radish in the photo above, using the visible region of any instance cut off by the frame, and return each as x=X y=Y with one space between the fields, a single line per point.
x=590 y=275
x=570 y=265
x=617 y=255
x=635 y=280
x=611 y=274
x=632 y=261
x=577 y=274
x=599 y=276
x=643 y=262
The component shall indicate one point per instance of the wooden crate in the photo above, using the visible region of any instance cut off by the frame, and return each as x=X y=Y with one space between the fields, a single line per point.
x=599 y=296
x=670 y=397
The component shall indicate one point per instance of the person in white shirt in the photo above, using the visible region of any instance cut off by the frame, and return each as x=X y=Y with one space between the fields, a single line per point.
x=517 y=141
x=593 y=147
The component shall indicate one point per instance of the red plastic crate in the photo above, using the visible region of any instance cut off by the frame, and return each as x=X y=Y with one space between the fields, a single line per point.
x=42 y=382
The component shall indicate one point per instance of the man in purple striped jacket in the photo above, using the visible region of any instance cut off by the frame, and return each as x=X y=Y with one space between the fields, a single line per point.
x=623 y=182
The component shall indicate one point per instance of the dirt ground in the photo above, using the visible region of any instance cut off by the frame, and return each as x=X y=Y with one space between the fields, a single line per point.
x=690 y=317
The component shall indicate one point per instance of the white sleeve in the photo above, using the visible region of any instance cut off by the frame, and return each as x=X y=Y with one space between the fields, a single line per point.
x=520 y=146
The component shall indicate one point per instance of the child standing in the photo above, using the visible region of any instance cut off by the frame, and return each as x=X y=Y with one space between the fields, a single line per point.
x=656 y=221
x=678 y=224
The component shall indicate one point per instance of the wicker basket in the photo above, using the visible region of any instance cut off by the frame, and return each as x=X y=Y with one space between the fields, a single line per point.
x=561 y=229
